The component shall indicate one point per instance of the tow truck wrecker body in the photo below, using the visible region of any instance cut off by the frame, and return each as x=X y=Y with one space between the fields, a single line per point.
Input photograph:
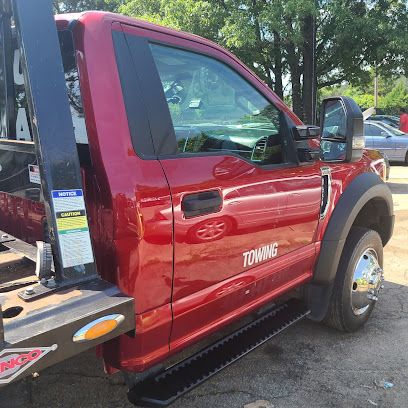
x=170 y=193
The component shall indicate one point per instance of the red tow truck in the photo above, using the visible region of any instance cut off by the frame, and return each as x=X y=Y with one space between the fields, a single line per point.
x=154 y=191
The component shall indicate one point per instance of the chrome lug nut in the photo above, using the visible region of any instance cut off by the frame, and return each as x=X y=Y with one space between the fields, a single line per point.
x=372 y=297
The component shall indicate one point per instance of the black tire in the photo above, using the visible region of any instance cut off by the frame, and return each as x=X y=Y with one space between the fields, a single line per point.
x=340 y=314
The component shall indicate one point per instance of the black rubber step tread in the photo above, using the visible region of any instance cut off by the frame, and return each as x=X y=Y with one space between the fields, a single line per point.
x=162 y=389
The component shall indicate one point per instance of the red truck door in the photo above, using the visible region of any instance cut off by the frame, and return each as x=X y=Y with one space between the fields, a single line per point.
x=245 y=211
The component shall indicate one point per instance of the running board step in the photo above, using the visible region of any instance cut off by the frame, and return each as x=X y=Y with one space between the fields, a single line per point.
x=165 y=387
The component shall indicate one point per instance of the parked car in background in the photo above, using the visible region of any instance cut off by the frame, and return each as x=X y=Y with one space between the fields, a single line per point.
x=387 y=119
x=390 y=141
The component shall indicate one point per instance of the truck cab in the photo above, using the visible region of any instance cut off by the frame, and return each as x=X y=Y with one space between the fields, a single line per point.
x=207 y=197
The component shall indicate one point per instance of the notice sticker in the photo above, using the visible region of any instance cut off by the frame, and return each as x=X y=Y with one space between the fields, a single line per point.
x=34 y=174
x=72 y=226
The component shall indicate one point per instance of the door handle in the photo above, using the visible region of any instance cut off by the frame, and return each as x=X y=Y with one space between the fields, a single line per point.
x=205 y=202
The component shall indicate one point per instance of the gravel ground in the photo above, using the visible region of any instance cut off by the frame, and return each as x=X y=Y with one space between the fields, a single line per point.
x=307 y=366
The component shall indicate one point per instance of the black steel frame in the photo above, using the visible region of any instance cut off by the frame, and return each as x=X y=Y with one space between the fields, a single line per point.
x=49 y=112
x=56 y=151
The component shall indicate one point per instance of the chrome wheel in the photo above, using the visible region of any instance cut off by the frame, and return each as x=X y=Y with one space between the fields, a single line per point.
x=366 y=283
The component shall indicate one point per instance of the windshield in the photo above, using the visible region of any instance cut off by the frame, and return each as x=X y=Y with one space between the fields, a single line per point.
x=393 y=130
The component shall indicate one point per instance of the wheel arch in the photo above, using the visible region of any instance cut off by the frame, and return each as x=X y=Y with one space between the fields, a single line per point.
x=366 y=202
x=375 y=215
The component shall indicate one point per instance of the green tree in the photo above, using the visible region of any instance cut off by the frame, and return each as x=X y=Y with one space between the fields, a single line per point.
x=397 y=98
x=275 y=37
x=74 y=6
x=355 y=36
x=266 y=35
x=393 y=94
x=203 y=18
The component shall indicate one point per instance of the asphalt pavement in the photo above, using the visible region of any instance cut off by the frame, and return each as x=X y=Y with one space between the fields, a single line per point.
x=308 y=365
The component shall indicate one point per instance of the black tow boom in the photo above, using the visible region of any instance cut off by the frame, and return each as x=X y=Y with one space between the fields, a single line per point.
x=51 y=319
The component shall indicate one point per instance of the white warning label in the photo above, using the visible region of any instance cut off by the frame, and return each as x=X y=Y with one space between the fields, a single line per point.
x=72 y=225
x=34 y=174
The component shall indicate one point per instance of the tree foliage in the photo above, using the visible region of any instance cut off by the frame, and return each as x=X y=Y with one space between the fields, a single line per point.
x=354 y=36
x=275 y=37
x=74 y=6
x=393 y=95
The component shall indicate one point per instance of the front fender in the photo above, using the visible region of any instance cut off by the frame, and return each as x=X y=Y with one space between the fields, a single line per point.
x=363 y=189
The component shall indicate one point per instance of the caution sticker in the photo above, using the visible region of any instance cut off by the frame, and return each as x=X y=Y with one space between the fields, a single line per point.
x=71 y=220
x=34 y=174
x=72 y=226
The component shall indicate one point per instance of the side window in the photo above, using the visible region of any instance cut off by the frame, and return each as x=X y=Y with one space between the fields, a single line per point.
x=73 y=87
x=22 y=129
x=370 y=130
x=374 y=130
x=214 y=109
x=380 y=131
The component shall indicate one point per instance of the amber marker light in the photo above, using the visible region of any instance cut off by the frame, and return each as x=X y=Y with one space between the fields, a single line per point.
x=98 y=328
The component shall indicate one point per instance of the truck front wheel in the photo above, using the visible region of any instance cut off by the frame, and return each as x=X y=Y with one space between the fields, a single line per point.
x=358 y=281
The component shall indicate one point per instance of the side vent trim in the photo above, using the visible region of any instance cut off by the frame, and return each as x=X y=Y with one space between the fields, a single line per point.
x=326 y=191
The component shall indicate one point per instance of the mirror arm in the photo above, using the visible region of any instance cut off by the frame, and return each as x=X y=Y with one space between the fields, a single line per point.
x=307 y=132
x=308 y=155
x=334 y=139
